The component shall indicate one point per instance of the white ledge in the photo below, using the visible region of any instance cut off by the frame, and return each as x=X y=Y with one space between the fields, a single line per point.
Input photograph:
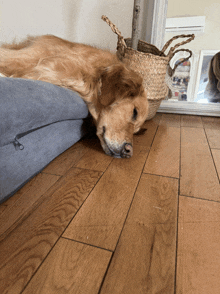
x=193 y=108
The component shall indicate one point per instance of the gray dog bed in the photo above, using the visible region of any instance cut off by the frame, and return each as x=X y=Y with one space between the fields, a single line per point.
x=38 y=121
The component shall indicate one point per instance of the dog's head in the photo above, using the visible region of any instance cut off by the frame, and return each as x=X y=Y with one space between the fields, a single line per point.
x=123 y=110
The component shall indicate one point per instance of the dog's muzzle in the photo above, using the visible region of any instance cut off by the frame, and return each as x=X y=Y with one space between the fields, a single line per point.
x=126 y=151
x=115 y=149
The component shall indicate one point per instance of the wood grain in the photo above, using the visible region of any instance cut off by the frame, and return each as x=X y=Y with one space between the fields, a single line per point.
x=150 y=128
x=100 y=220
x=212 y=129
x=3 y=206
x=155 y=120
x=211 y=122
x=24 y=202
x=25 y=248
x=213 y=137
x=170 y=120
x=192 y=121
x=95 y=158
x=164 y=155
x=61 y=164
x=130 y=213
x=198 y=174
x=144 y=260
x=71 y=267
x=216 y=156
x=146 y=138
x=198 y=263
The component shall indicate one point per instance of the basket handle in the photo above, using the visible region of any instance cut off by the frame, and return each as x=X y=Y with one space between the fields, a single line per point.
x=172 y=49
x=172 y=70
x=121 y=45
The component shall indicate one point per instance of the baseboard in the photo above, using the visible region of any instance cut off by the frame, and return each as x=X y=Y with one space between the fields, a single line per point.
x=192 y=108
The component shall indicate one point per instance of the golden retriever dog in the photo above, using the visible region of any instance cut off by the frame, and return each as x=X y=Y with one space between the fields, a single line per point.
x=212 y=91
x=114 y=93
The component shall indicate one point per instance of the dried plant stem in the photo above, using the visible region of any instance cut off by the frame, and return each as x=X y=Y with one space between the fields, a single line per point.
x=135 y=24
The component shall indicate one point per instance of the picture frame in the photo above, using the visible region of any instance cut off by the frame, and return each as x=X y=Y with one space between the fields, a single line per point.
x=201 y=95
x=154 y=34
x=182 y=83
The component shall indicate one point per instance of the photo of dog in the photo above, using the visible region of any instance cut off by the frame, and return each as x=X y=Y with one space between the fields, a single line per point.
x=114 y=93
x=212 y=91
x=208 y=75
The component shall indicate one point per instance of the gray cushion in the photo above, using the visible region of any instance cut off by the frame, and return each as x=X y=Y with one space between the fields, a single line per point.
x=38 y=121
x=27 y=104
x=40 y=148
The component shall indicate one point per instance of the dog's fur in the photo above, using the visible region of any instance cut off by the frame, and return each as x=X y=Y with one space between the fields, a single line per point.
x=212 y=91
x=114 y=94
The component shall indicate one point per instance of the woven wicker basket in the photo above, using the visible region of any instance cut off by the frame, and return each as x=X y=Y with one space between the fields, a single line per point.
x=151 y=63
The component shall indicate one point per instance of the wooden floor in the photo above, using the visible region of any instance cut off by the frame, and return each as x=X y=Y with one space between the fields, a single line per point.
x=93 y=224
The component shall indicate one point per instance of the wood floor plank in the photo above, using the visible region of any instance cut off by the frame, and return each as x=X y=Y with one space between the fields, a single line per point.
x=198 y=175
x=100 y=219
x=212 y=129
x=164 y=155
x=198 y=261
x=2 y=208
x=146 y=138
x=61 y=164
x=216 y=156
x=144 y=260
x=171 y=120
x=211 y=122
x=22 y=251
x=155 y=121
x=22 y=203
x=192 y=121
x=95 y=158
x=213 y=137
x=71 y=267
x=145 y=244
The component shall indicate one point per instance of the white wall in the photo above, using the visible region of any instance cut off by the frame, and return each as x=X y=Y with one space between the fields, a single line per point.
x=23 y=17
x=76 y=20
x=210 y=40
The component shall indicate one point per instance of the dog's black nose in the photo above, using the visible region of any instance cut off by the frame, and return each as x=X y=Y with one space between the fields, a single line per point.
x=127 y=150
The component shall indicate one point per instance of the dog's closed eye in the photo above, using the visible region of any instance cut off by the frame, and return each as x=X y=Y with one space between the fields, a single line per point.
x=135 y=114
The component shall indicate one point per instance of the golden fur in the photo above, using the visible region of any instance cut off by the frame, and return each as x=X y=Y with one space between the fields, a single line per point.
x=114 y=94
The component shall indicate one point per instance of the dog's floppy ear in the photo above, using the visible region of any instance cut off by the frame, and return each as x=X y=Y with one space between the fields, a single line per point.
x=119 y=82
